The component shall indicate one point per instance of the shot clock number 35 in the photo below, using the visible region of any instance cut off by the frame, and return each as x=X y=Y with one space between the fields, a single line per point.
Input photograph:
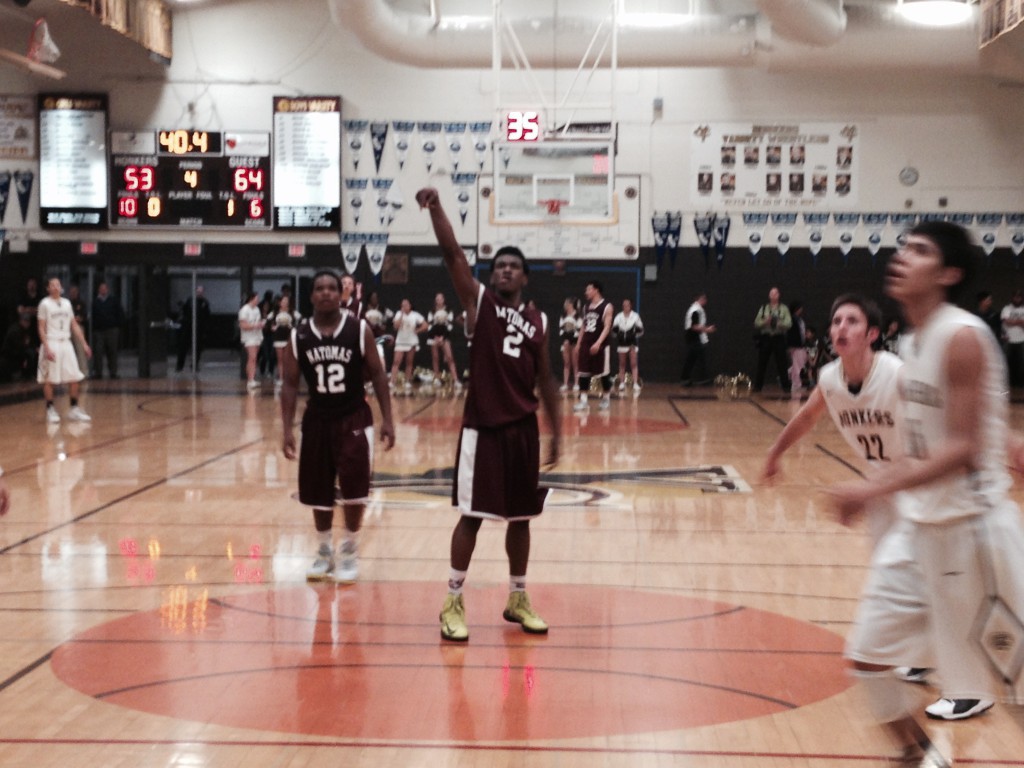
x=190 y=179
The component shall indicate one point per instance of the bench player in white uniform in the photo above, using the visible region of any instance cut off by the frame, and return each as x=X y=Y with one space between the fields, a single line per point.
x=58 y=363
x=965 y=531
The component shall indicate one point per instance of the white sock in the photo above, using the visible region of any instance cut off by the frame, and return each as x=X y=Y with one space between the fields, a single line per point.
x=323 y=538
x=517 y=583
x=455 y=581
x=350 y=543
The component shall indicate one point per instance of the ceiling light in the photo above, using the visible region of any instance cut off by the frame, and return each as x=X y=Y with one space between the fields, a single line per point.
x=935 y=13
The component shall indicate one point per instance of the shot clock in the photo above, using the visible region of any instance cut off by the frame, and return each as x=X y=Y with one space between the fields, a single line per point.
x=190 y=179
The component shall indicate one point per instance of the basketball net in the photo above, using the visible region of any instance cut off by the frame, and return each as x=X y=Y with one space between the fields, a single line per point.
x=41 y=47
x=553 y=206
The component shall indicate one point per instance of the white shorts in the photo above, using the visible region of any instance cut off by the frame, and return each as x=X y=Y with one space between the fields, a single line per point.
x=61 y=370
x=974 y=579
x=892 y=625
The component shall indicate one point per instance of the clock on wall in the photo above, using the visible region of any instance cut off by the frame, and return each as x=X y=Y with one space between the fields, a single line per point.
x=909 y=176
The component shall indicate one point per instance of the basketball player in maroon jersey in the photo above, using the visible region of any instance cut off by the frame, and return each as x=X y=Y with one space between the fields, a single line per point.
x=333 y=351
x=350 y=300
x=497 y=468
x=594 y=347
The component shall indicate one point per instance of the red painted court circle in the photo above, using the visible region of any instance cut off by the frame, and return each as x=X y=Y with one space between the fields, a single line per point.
x=367 y=662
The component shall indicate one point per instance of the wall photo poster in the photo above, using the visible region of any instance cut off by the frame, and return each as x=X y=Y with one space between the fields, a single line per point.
x=792 y=166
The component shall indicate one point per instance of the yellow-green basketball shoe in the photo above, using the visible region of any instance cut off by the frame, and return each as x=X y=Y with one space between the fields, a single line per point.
x=518 y=611
x=453 y=619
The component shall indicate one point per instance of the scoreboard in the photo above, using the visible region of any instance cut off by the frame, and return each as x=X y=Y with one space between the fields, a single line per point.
x=181 y=177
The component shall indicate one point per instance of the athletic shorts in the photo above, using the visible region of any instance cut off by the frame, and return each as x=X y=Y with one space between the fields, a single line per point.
x=892 y=626
x=335 y=450
x=61 y=370
x=973 y=577
x=594 y=365
x=497 y=472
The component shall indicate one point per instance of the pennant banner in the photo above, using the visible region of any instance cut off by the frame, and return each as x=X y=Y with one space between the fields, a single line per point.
x=481 y=133
x=847 y=224
x=430 y=136
x=378 y=138
x=721 y=237
x=464 y=183
x=356 y=190
x=815 y=223
x=755 y=224
x=355 y=137
x=453 y=134
x=989 y=224
x=875 y=223
x=659 y=223
x=401 y=133
x=382 y=187
x=351 y=247
x=703 y=225
x=5 y=192
x=783 y=223
x=376 y=247
x=23 y=186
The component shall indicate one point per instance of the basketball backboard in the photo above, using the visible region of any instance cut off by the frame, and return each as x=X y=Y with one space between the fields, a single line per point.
x=569 y=181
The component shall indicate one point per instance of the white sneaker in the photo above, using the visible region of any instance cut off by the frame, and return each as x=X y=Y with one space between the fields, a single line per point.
x=321 y=568
x=348 y=569
x=253 y=384
x=580 y=406
x=912 y=674
x=564 y=388
x=77 y=414
x=622 y=386
x=606 y=403
x=957 y=709
x=52 y=417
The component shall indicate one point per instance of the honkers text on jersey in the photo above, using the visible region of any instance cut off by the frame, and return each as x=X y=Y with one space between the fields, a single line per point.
x=865 y=417
x=516 y=320
x=328 y=354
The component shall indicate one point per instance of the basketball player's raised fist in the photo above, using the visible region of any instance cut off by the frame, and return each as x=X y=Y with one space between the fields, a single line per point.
x=427 y=197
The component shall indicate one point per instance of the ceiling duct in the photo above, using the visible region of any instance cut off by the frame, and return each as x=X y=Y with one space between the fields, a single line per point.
x=787 y=36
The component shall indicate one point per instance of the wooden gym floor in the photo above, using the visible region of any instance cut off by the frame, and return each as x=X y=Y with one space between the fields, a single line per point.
x=154 y=612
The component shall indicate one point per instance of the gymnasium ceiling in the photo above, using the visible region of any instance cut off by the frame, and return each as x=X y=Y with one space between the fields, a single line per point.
x=818 y=36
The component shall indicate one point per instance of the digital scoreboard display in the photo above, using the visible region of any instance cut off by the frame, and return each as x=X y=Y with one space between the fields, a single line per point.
x=191 y=179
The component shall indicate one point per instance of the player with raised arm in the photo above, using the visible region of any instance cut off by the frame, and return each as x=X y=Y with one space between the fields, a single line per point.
x=334 y=351
x=497 y=470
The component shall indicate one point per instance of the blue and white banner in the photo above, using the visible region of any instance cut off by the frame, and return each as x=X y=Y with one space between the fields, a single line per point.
x=401 y=135
x=351 y=248
x=481 y=134
x=783 y=223
x=356 y=132
x=454 y=137
x=23 y=187
x=988 y=227
x=815 y=223
x=847 y=224
x=703 y=226
x=755 y=224
x=379 y=139
x=356 y=192
x=1015 y=223
x=430 y=138
x=876 y=224
x=721 y=236
x=382 y=188
x=463 y=183
x=376 y=247
x=5 y=192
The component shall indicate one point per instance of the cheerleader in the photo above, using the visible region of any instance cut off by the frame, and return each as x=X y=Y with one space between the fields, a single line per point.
x=408 y=325
x=440 y=321
x=283 y=322
x=628 y=328
x=568 y=335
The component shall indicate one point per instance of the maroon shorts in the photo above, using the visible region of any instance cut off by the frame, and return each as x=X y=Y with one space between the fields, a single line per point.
x=335 y=449
x=594 y=365
x=497 y=471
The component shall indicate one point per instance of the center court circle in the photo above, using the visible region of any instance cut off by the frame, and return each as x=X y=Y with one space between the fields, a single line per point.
x=367 y=662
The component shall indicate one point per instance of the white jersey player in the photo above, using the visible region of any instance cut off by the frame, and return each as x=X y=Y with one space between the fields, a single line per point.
x=58 y=363
x=860 y=392
x=966 y=533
